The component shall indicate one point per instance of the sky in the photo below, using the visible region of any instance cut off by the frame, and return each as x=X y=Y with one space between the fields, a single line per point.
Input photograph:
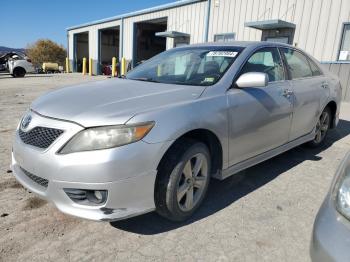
x=24 y=21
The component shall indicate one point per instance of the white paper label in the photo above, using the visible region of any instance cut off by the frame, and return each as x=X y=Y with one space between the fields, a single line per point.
x=343 y=55
x=222 y=53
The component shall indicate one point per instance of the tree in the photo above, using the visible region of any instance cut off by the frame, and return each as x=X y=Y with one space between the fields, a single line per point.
x=45 y=50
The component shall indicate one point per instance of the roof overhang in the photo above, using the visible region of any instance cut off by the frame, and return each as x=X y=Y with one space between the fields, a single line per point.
x=172 y=34
x=269 y=24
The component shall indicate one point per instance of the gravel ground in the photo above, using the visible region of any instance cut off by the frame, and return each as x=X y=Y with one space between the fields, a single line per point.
x=262 y=214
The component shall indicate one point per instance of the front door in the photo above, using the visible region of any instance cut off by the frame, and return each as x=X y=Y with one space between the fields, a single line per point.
x=260 y=118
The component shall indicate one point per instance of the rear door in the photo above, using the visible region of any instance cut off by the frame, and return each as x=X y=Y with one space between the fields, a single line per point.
x=260 y=117
x=310 y=89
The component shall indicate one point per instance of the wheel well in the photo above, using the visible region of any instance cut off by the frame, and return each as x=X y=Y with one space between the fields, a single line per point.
x=333 y=107
x=211 y=141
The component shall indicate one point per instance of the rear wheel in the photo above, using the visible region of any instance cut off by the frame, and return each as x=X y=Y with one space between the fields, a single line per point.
x=183 y=179
x=19 y=72
x=322 y=127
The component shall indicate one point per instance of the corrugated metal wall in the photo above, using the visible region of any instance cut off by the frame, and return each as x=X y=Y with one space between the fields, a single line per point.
x=187 y=19
x=342 y=70
x=318 y=22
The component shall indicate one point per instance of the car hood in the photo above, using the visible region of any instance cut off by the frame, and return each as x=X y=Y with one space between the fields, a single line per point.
x=112 y=101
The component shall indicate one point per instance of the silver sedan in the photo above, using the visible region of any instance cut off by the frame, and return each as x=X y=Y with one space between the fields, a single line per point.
x=331 y=234
x=153 y=139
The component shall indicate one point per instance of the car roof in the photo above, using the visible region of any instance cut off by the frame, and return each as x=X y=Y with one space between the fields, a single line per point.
x=241 y=44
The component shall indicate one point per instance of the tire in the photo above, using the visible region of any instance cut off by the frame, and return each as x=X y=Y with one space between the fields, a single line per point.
x=178 y=180
x=19 y=72
x=322 y=127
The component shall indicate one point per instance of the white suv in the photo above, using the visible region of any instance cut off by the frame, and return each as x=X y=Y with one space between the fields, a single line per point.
x=19 y=66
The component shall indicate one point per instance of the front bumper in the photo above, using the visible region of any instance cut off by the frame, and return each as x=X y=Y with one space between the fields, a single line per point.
x=128 y=173
x=331 y=235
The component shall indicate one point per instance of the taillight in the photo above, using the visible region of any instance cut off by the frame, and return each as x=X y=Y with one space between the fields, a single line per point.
x=29 y=60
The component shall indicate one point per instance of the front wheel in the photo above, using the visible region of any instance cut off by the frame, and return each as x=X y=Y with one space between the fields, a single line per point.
x=183 y=179
x=322 y=127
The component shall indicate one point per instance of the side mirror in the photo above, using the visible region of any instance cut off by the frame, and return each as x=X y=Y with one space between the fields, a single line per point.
x=252 y=79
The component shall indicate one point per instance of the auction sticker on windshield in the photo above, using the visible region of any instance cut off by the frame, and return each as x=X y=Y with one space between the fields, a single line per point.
x=222 y=53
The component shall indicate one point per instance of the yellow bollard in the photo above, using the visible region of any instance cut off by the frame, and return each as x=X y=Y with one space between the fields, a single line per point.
x=67 y=65
x=114 y=63
x=84 y=66
x=90 y=67
x=123 y=67
x=159 y=70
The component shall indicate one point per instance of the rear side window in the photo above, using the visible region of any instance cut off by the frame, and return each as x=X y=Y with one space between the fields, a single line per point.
x=297 y=64
x=266 y=60
x=315 y=69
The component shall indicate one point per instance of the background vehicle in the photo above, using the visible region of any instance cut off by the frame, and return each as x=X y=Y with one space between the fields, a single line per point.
x=152 y=140
x=4 y=58
x=18 y=66
x=331 y=234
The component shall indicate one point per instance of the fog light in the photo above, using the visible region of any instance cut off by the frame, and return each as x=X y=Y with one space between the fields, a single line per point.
x=98 y=195
x=87 y=197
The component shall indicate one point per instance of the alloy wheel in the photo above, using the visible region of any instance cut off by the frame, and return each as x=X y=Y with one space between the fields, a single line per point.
x=322 y=127
x=192 y=182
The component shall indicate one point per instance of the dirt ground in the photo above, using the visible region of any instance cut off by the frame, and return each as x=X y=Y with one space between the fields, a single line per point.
x=265 y=213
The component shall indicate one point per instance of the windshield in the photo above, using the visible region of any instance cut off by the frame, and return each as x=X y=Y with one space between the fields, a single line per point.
x=187 y=66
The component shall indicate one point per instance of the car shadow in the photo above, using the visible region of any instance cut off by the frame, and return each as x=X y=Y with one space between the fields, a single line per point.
x=223 y=193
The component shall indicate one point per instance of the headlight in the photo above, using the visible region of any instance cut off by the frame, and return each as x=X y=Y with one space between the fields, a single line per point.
x=106 y=137
x=342 y=188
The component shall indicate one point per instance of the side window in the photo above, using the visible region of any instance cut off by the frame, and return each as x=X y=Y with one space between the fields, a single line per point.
x=266 y=60
x=298 y=65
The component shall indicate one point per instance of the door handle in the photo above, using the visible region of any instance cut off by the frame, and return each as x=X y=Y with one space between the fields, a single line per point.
x=324 y=85
x=287 y=93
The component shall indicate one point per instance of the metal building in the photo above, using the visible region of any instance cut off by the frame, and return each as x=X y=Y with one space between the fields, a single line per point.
x=320 y=27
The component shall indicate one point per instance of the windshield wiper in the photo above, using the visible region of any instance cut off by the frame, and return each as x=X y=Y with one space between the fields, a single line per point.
x=145 y=79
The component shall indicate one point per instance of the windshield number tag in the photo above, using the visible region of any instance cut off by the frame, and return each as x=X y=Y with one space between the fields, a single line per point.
x=222 y=53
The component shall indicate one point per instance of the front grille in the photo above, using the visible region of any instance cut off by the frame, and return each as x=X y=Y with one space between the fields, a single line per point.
x=41 y=137
x=39 y=180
